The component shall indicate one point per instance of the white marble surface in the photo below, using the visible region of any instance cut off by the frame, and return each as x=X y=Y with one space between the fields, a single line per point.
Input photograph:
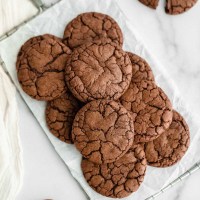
x=174 y=40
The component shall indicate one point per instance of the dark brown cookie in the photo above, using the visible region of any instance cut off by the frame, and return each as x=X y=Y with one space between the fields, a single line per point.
x=141 y=69
x=150 y=108
x=40 y=67
x=175 y=7
x=150 y=3
x=98 y=70
x=60 y=114
x=103 y=131
x=120 y=178
x=171 y=146
x=90 y=26
x=35 y=40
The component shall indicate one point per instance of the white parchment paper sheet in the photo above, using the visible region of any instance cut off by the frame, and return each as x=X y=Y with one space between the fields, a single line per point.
x=54 y=21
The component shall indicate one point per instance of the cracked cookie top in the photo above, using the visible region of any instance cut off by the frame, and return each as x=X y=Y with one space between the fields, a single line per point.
x=175 y=7
x=140 y=69
x=37 y=39
x=90 y=26
x=60 y=114
x=150 y=108
x=150 y=3
x=103 y=131
x=98 y=70
x=171 y=145
x=120 y=178
x=40 y=67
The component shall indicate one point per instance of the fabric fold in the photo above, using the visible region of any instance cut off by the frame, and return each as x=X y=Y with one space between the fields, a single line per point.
x=11 y=168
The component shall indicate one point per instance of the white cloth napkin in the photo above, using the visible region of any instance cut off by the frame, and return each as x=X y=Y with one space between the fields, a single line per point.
x=54 y=21
x=11 y=169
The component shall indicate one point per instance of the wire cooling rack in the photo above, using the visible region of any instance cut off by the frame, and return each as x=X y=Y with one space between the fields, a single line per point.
x=41 y=8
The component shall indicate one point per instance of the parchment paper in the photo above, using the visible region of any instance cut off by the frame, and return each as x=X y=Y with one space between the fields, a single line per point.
x=54 y=21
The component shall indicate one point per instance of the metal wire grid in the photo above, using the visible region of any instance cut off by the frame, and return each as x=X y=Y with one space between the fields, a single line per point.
x=41 y=8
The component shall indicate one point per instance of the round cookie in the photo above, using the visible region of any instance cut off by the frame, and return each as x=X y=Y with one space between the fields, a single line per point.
x=170 y=146
x=40 y=67
x=98 y=70
x=90 y=26
x=35 y=40
x=103 y=131
x=175 y=7
x=120 y=178
x=140 y=68
x=150 y=3
x=150 y=108
x=60 y=114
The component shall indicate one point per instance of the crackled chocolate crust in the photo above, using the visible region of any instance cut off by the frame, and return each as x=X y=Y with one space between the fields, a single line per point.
x=60 y=114
x=150 y=108
x=150 y=3
x=98 y=70
x=40 y=67
x=35 y=40
x=90 y=26
x=171 y=146
x=175 y=7
x=103 y=131
x=140 y=68
x=120 y=178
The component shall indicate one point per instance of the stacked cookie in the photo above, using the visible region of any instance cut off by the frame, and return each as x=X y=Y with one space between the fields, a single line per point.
x=173 y=7
x=104 y=101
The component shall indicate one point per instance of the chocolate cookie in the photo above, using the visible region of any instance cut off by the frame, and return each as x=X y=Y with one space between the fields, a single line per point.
x=150 y=3
x=150 y=108
x=103 y=131
x=141 y=69
x=175 y=7
x=40 y=67
x=171 y=146
x=60 y=114
x=35 y=40
x=120 y=178
x=90 y=26
x=98 y=70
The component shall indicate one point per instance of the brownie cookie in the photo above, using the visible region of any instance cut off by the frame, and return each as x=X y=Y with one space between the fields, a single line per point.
x=98 y=70
x=120 y=178
x=150 y=108
x=40 y=67
x=150 y=3
x=141 y=69
x=90 y=26
x=103 y=131
x=35 y=40
x=175 y=7
x=171 y=146
x=60 y=114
